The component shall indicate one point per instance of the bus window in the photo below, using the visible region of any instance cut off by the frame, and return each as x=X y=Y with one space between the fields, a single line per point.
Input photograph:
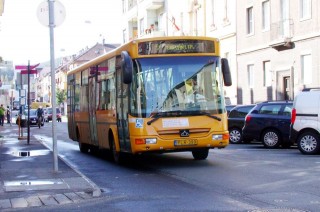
x=104 y=95
x=85 y=77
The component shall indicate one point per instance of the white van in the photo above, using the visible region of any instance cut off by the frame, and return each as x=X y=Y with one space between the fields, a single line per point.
x=305 y=121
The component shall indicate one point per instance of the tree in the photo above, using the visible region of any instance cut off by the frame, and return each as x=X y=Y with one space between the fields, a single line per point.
x=61 y=96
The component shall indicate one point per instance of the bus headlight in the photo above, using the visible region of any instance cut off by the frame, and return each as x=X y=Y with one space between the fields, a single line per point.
x=151 y=140
x=216 y=137
x=220 y=137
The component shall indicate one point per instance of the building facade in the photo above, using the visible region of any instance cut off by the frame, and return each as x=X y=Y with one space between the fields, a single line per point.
x=277 y=48
x=214 y=18
x=271 y=45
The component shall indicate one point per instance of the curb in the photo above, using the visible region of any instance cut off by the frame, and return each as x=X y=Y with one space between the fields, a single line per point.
x=96 y=192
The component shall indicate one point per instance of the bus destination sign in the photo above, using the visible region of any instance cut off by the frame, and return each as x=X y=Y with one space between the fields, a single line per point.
x=176 y=47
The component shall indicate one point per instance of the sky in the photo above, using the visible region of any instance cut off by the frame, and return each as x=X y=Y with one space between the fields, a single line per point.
x=23 y=38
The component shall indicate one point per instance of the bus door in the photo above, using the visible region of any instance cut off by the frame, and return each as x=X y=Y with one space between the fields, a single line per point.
x=122 y=112
x=70 y=110
x=93 y=95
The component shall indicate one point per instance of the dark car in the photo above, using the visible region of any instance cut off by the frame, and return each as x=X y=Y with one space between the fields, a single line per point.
x=33 y=118
x=58 y=114
x=269 y=122
x=236 y=122
x=229 y=108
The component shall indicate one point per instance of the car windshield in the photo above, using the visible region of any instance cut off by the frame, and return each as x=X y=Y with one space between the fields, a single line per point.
x=50 y=110
x=33 y=112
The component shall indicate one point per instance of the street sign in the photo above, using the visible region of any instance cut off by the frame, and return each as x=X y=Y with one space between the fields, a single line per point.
x=21 y=67
x=43 y=13
x=104 y=68
x=33 y=71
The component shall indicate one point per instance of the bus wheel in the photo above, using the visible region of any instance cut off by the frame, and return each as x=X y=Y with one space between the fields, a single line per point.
x=116 y=156
x=200 y=154
x=83 y=147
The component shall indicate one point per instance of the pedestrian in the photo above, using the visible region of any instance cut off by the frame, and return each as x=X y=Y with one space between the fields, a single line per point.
x=8 y=115
x=2 y=111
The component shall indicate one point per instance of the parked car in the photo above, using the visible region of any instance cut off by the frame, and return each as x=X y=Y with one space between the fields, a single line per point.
x=229 y=108
x=236 y=120
x=269 y=122
x=33 y=118
x=305 y=121
x=58 y=114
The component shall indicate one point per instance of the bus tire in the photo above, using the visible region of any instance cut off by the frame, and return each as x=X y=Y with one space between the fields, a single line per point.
x=83 y=148
x=200 y=154
x=116 y=156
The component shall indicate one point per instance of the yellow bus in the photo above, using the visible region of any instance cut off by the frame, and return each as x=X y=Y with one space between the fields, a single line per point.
x=151 y=95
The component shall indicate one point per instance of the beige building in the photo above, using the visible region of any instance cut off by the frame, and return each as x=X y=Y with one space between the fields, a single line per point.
x=271 y=45
x=277 y=48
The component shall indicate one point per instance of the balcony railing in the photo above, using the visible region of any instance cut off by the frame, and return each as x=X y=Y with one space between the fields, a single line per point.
x=282 y=30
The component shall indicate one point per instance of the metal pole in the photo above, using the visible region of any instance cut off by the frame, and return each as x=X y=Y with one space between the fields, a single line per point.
x=53 y=85
x=11 y=107
x=28 y=101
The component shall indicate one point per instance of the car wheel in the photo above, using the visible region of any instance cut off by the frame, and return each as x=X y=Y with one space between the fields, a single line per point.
x=235 y=136
x=200 y=154
x=309 y=143
x=271 y=139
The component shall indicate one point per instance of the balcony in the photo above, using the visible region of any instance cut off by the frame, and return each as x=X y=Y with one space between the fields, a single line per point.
x=153 y=4
x=153 y=33
x=281 y=34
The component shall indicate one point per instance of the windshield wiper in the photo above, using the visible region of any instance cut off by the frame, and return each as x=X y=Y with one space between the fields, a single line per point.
x=156 y=117
x=209 y=115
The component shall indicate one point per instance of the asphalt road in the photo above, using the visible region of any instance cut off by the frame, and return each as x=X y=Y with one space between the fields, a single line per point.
x=243 y=177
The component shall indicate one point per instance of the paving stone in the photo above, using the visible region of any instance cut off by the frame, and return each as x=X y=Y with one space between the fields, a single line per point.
x=84 y=195
x=5 y=203
x=62 y=199
x=19 y=203
x=34 y=201
x=74 y=197
x=48 y=200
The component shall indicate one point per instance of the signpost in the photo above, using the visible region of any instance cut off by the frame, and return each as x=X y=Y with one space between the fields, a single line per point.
x=27 y=70
x=52 y=13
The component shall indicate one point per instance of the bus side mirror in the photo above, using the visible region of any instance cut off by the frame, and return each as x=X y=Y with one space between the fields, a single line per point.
x=127 y=67
x=226 y=72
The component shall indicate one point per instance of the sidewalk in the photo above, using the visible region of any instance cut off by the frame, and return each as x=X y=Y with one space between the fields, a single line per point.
x=27 y=175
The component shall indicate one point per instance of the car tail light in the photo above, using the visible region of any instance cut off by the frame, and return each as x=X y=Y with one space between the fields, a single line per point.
x=248 y=118
x=293 y=115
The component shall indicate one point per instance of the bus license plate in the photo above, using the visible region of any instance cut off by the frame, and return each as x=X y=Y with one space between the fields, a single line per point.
x=186 y=142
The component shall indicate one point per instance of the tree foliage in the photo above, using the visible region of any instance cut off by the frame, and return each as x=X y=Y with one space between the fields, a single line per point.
x=61 y=96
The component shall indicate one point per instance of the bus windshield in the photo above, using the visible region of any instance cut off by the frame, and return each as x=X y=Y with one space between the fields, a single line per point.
x=168 y=85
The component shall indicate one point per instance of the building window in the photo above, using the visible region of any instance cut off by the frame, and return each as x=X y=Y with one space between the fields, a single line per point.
x=142 y=26
x=250 y=75
x=225 y=18
x=249 y=20
x=213 y=25
x=285 y=18
x=266 y=74
x=161 y=22
x=305 y=9
x=266 y=15
x=306 y=69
